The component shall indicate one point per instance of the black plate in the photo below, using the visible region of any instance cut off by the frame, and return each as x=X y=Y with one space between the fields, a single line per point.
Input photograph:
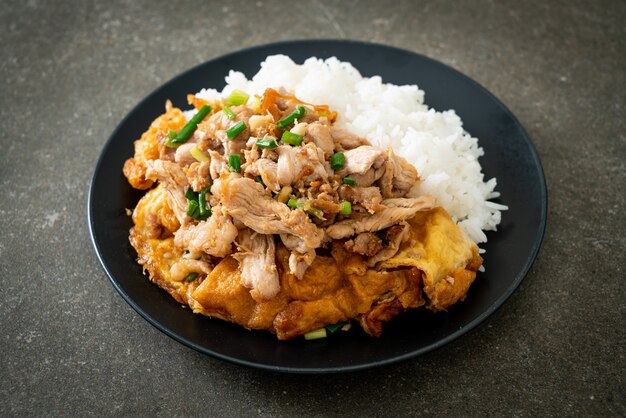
x=509 y=156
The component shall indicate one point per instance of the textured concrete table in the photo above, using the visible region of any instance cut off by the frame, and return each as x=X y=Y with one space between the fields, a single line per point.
x=69 y=72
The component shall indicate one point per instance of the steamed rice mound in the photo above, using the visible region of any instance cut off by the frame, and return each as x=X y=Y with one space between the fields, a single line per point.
x=434 y=142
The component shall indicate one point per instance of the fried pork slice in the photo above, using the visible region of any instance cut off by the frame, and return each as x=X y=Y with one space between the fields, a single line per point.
x=399 y=176
x=246 y=200
x=368 y=197
x=395 y=236
x=360 y=160
x=218 y=164
x=148 y=147
x=213 y=236
x=300 y=262
x=301 y=256
x=319 y=134
x=174 y=181
x=346 y=140
x=183 y=155
x=257 y=262
x=199 y=175
x=300 y=165
x=214 y=129
x=267 y=169
x=397 y=210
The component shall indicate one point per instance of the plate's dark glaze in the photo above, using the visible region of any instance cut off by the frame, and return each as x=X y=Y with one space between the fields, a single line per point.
x=509 y=156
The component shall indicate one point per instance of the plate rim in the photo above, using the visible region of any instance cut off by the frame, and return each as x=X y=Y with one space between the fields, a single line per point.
x=346 y=368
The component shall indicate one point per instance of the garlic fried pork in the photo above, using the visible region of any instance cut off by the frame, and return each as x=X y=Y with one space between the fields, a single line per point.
x=269 y=216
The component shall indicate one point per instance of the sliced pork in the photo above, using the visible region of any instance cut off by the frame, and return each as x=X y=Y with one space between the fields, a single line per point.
x=214 y=236
x=173 y=179
x=399 y=176
x=394 y=237
x=247 y=201
x=362 y=159
x=268 y=170
x=257 y=263
x=319 y=134
x=397 y=210
x=300 y=165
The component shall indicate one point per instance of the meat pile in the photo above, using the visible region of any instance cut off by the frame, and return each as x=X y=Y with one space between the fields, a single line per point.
x=282 y=193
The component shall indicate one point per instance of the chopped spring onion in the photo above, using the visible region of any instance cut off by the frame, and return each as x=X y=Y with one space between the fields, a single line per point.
x=205 y=208
x=292 y=203
x=315 y=335
x=171 y=134
x=197 y=207
x=291 y=138
x=296 y=114
x=199 y=117
x=190 y=194
x=349 y=181
x=185 y=133
x=237 y=97
x=346 y=208
x=236 y=129
x=198 y=155
x=191 y=277
x=337 y=161
x=259 y=180
x=266 y=143
x=229 y=113
x=193 y=209
x=335 y=327
x=234 y=163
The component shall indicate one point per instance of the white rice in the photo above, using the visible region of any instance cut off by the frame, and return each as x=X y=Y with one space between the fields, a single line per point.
x=445 y=156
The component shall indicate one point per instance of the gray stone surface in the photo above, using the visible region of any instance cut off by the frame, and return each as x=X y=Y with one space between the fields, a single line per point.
x=70 y=71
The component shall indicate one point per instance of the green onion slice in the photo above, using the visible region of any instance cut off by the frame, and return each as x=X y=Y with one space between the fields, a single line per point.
x=296 y=114
x=236 y=129
x=237 y=97
x=190 y=194
x=199 y=117
x=292 y=203
x=198 y=155
x=191 y=277
x=259 y=180
x=335 y=327
x=346 y=208
x=229 y=113
x=337 y=161
x=188 y=130
x=234 y=163
x=193 y=209
x=315 y=335
x=349 y=181
x=205 y=208
x=291 y=138
x=266 y=143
